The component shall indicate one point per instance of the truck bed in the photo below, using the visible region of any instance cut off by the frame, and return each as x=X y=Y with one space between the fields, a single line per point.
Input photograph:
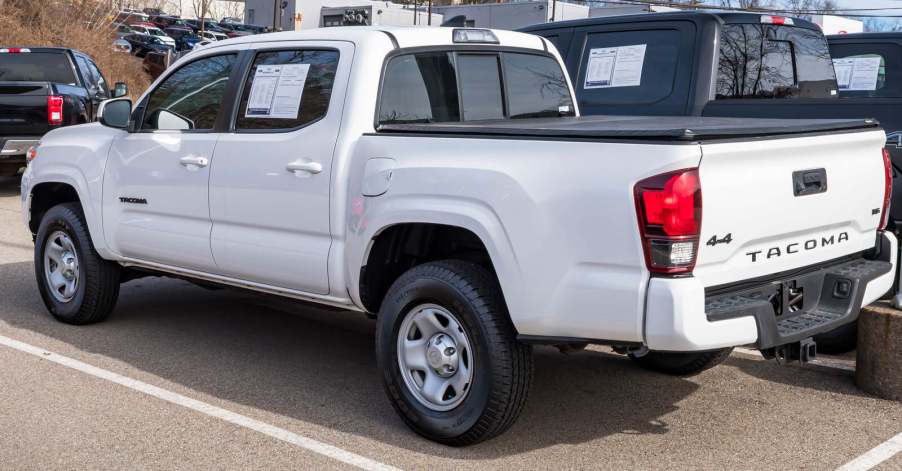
x=663 y=128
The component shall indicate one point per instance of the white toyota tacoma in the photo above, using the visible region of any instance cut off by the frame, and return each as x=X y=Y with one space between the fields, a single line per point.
x=442 y=181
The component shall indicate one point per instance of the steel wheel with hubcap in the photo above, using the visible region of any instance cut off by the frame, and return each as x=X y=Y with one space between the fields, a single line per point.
x=449 y=355
x=435 y=357
x=61 y=266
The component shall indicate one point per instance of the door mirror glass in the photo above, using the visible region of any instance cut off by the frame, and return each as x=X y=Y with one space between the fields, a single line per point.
x=170 y=120
x=120 y=90
x=115 y=113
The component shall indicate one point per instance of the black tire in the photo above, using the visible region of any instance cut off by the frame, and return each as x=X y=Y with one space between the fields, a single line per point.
x=681 y=363
x=841 y=340
x=503 y=367
x=98 y=287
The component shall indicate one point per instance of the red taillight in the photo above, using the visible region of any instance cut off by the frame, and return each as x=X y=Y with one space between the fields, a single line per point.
x=669 y=208
x=887 y=189
x=54 y=110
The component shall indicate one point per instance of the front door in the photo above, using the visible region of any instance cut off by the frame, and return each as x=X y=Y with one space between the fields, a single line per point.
x=269 y=191
x=156 y=184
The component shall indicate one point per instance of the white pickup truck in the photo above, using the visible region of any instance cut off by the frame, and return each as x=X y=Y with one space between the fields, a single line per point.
x=442 y=181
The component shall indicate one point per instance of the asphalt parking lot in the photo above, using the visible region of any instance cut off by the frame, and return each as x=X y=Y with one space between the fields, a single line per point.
x=183 y=377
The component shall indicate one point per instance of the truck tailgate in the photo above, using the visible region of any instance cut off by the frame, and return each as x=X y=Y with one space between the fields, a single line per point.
x=774 y=205
x=23 y=108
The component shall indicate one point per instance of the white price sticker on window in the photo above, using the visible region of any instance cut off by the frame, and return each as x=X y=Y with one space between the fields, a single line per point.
x=276 y=91
x=857 y=73
x=615 y=67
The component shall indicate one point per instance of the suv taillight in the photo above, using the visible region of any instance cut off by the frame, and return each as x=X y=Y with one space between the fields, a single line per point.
x=887 y=189
x=669 y=207
x=54 y=110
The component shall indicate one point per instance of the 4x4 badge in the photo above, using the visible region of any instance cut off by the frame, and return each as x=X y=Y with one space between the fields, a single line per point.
x=714 y=240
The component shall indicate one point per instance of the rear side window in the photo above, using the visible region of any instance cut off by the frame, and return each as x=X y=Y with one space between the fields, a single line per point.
x=636 y=67
x=190 y=98
x=287 y=89
x=868 y=70
x=36 y=67
x=766 y=61
x=419 y=88
x=423 y=88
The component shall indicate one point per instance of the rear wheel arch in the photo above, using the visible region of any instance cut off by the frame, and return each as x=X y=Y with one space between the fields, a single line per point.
x=396 y=248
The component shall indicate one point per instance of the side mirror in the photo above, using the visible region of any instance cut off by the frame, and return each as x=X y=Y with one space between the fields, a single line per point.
x=120 y=90
x=115 y=113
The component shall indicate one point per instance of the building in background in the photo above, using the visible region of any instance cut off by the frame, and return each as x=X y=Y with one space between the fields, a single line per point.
x=306 y=14
x=511 y=15
x=837 y=24
x=376 y=13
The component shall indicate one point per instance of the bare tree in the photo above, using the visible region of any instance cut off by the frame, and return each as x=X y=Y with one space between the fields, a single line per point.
x=810 y=6
x=747 y=4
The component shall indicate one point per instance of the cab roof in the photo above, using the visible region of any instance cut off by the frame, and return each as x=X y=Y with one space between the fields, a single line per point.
x=398 y=36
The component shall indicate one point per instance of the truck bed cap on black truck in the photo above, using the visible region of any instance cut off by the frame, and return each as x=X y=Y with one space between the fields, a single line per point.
x=688 y=128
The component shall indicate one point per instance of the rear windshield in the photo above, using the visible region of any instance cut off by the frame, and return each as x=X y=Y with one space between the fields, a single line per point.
x=437 y=87
x=767 y=61
x=36 y=67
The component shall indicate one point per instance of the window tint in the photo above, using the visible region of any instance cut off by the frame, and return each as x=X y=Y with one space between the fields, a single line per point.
x=765 y=61
x=36 y=67
x=287 y=89
x=480 y=86
x=91 y=74
x=190 y=98
x=889 y=73
x=632 y=73
x=536 y=86
x=95 y=72
x=419 y=88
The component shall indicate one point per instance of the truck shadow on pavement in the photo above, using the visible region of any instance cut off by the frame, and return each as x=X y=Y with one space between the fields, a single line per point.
x=318 y=367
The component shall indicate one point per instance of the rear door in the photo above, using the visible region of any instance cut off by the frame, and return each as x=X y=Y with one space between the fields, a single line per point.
x=773 y=205
x=269 y=192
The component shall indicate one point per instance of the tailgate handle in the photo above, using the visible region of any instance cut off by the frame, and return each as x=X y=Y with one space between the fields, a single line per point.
x=809 y=182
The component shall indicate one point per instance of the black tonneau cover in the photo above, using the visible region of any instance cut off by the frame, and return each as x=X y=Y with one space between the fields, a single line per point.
x=684 y=128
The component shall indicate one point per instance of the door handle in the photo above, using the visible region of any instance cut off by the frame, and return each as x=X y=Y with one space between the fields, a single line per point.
x=302 y=166
x=192 y=161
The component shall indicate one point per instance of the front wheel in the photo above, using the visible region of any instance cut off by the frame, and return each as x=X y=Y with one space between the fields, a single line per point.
x=77 y=286
x=450 y=361
x=681 y=363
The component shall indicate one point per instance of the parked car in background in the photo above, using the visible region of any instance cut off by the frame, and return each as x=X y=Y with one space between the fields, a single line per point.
x=209 y=25
x=165 y=21
x=232 y=31
x=42 y=89
x=149 y=28
x=212 y=35
x=144 y=43
x=230 y=20
x=185 y=39
x=121 y=45
x=251 y=29
x=128 y=17
x=442 y=181
x=710 y=64
x=120 y=30
x=155 y=63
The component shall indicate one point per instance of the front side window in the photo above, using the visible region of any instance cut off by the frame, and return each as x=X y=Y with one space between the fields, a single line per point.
x=766 y=61
x=190 y=98
x=287 y=89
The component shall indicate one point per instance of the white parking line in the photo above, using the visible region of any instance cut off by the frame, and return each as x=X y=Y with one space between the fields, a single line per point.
x=879 y=454
x=202 y=407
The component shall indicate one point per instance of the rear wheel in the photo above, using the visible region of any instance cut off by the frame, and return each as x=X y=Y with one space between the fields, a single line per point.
x=450 y=361
x=681 y=363
x=77 y=286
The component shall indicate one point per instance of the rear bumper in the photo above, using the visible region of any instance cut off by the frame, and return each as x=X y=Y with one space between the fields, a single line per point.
x=13 y=149
x=681 y=316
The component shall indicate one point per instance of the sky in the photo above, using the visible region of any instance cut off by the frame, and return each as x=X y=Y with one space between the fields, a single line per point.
x=897 y=4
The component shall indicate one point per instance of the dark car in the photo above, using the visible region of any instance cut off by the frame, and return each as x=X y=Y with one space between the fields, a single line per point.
x=240 y=29
x=155 y=63
x=144 y=43
x=185 y=39
x=715 y=64
x=209 y=25
x=166 y=21
x=42 y=89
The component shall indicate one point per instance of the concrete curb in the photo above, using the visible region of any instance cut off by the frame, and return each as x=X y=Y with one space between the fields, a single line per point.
x=879 y=362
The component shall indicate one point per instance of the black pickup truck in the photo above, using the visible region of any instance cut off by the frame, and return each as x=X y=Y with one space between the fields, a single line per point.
x=732 y=65
x=728 y=64
x=42 y=89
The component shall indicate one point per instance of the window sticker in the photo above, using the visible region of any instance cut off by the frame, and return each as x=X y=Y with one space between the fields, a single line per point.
x=857 y=73
x=276 y=91
x=615 y=67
